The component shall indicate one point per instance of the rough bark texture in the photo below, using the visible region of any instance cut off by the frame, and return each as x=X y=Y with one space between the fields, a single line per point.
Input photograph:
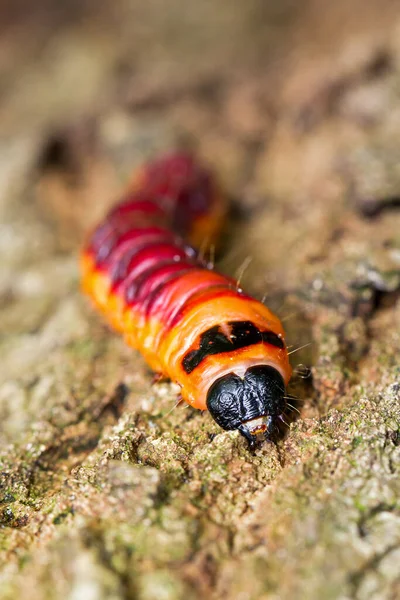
x=106 y=491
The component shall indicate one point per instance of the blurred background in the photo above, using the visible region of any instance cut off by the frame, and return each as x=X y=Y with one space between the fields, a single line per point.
x=123 y=69
x=62 y=59
x=90 y=89
x=248 y=85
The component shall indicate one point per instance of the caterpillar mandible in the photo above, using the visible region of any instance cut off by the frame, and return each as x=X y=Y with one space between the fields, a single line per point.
x=225 y=349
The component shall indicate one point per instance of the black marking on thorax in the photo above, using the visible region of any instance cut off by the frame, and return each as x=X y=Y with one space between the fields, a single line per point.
x=214 y=341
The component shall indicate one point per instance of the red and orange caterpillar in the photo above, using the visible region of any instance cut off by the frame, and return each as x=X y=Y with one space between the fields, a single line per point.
x=225 y=349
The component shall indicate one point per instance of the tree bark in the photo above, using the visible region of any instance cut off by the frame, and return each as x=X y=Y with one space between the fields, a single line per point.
x=106 y=490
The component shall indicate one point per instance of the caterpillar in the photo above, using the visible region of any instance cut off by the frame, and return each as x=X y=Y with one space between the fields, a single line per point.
x=143 y=269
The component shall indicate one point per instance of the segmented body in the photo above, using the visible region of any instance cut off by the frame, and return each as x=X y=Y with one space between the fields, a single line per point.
x=191 y=323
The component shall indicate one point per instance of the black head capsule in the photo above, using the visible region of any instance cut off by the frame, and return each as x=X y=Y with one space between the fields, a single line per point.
x=252 y=404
